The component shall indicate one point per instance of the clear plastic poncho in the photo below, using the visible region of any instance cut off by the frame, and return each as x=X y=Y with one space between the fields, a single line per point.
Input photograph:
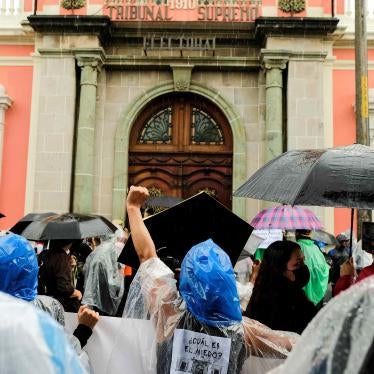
x=32 y=340
x=52 y=306
x=201 y=327
x=361 y=258
x=340 y=339
x=103 y=284
x=243 y=270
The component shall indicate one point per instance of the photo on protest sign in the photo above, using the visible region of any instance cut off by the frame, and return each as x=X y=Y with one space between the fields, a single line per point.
x=198 y=353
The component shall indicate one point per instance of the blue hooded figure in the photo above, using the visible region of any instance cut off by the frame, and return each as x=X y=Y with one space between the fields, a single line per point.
x=206 y=311
x=207 y=285
x=18 y=267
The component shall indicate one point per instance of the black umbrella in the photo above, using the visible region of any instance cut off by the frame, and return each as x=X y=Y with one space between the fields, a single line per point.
x=335 y=177
x=27 y=219
x=69 y=226
x=162 y=201
x=194 y=220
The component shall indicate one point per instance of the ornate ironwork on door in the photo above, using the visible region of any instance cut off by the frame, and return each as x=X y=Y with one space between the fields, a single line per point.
x=204 y=130
x=158 y=129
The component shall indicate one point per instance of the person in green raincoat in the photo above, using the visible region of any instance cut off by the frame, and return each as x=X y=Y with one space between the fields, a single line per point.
x=318 y=268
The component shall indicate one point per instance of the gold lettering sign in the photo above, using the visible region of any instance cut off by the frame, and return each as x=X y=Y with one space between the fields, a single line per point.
x=183 y=10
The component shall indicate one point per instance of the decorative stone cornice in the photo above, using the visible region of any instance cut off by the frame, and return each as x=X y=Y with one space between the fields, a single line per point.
x=281 y=26
x=163 y=62
x=71 y=24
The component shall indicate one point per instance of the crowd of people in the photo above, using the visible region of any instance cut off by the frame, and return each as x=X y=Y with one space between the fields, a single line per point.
x=206 y=315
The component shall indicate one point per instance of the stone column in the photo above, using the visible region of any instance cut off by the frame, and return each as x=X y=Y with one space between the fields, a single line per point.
x=85 y=135
x=274 y=104
x=5 y=103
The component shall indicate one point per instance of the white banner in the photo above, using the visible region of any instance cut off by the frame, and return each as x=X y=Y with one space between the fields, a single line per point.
x=124 y=346
x=268 y=236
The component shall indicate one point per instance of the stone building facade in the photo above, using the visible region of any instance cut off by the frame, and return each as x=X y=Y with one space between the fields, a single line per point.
x=101 y=83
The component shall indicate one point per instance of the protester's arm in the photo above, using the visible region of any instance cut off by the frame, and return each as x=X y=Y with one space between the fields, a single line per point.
x=347 y=277
x=255 y=269
x=143 y=243
x=87 y=320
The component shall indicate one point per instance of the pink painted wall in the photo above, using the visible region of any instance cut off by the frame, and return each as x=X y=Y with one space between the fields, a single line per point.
x=17 y=81
x=344 y=116
x=16 y=50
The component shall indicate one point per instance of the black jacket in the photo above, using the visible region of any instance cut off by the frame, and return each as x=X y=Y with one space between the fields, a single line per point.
x=58 y=279
x=284 y=306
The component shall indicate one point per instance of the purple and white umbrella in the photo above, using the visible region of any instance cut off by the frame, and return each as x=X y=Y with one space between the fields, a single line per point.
x=286 y=217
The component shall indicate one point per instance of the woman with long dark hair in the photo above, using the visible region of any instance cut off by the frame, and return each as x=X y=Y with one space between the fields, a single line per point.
x=278 y=300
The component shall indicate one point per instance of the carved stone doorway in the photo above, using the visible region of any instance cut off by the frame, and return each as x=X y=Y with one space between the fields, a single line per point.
x=182 y=144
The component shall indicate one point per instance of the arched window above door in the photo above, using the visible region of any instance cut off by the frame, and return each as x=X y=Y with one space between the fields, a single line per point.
x=158 y=128
x=181 y=123
x=204 y=129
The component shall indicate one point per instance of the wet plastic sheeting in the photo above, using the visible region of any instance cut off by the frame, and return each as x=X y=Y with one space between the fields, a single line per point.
x=18 y=267
x=340 y=338
x=32 y=342
x=193 y=221
x=69 y=226
x=338 y=177
x=153 y=295
x=103 y=285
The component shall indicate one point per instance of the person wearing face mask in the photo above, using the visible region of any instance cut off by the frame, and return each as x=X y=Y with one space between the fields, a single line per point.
x=278 y=300
x=104 y=282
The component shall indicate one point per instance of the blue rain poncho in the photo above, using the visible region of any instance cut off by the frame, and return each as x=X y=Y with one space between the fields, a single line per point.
x=18 y=267
x=31 y=341
x=207 y=285
x=19 y=278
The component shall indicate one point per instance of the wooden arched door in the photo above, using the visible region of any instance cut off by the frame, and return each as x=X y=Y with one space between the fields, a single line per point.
x=182 y=144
